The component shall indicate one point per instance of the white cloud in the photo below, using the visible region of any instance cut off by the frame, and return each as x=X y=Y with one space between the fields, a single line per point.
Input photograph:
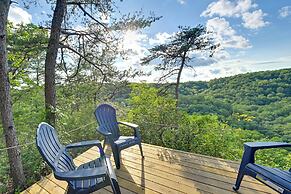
x=135 y=42
x=239 y=9
x=134 y=45
x=285 y=11
x=233 y=67
x=254 y=20
x=228 y=8
x=217 y=70
x=18 y=15
x=160 y=38
x=182 y=2
x=226 y=35
x=221 y=55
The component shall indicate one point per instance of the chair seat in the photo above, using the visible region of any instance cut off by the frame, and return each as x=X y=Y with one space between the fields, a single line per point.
x=88 y=183
x=126 y=141
x=279 y=177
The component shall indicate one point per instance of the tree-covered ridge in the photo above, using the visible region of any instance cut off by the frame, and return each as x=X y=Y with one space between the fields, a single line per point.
x=256 y=101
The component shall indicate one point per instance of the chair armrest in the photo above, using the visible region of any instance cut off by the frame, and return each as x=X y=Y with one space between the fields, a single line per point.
x=86 y=144
x=133 y=126
x=82 y=174
x=266 y=145
x=103 y=131
x=128 y=124
x=251 y=147
x=111 y=172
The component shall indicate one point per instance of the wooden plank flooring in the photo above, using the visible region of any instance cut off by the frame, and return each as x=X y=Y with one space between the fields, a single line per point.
x=163 y=170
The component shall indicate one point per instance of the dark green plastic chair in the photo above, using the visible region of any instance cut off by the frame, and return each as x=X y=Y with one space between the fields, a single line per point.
x=86 y=178
x=108 y=126
x=279 y=180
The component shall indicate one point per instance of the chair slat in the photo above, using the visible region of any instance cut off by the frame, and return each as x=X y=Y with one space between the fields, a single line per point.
x=54 y=143
x=46 y=148
x=46 y=152
x=106 y=116
x=48 y=140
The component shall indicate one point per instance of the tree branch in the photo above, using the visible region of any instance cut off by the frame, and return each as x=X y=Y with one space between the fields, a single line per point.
x=86 y=13
x=84 y=57
x=169 y=74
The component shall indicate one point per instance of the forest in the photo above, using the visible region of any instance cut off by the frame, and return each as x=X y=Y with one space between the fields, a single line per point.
x=62 y=82
x=254 y=101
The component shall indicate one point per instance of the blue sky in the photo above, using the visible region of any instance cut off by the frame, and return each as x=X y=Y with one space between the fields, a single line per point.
x=254 y=34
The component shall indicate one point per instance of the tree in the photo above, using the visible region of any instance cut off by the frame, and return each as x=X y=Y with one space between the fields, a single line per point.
x=55 y=42
x=94 y=45
x=50 y=61
x=175 y=55
x=16 y=168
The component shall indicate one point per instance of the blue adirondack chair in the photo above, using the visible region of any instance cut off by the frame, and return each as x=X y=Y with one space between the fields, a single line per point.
x=108 y=126
x=277 y=179
x=87 y=177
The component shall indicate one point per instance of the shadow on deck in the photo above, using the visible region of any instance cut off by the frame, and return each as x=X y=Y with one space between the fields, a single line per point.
x=163 y=170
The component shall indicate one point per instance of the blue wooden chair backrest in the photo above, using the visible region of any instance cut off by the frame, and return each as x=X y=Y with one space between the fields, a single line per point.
x=106 y=117
x=51 y=150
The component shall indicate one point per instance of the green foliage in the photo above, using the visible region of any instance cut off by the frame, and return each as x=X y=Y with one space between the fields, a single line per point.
x=255 y=101
x=155 y=114
x=204 y=134
x=205 y=105
x=162 y=124
x=26 y=46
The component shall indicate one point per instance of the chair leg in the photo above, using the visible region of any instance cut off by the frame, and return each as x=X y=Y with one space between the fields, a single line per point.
x=141 y=152
x=248 y=157
x=116 y=156
x=104 y=143
x=115 y=186
x=70 y=190
x=238 y=181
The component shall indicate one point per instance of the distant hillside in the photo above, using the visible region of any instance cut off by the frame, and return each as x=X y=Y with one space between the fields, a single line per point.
x=255 y=101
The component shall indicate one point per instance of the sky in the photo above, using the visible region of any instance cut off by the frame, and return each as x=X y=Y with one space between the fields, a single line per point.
x=255 y=35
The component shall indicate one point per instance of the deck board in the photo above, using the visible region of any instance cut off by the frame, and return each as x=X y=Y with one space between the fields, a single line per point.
x=163 y=170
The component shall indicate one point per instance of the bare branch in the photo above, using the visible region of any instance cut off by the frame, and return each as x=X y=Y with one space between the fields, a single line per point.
x=84 y=57
x=77 y=69
x=169 y=74
x=90 y=16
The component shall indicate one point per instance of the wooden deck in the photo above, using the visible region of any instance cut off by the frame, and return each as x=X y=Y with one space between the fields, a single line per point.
x=163 y=171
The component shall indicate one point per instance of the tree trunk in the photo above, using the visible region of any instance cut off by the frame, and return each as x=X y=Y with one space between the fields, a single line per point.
x=16 y=169
x=179 y=78
x=50 y=61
